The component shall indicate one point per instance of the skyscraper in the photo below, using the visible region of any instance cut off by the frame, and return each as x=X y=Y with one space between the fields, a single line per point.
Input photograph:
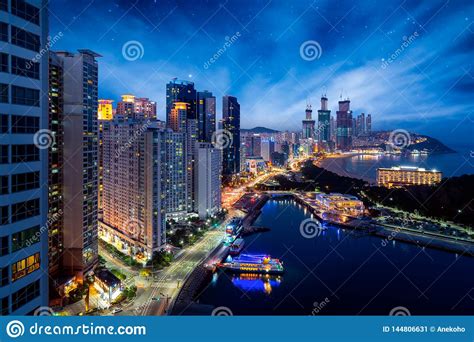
x=253 y=145
x=181 y=91
x=179 y=122
x=55 y=166
x=134 y=163
x=208 y=180
x=126 y=107
x=105 y=110
x=324 y=126
x=368 y=124
x=344 y=126
x=144 y=108
x=206 y=114
x=80 y=169
x=231 y=124
x=308 y=124
x=23 y=156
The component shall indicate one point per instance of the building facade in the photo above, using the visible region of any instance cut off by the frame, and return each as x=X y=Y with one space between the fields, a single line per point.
x=206 y=115
x=208 y=180
x=25 y=140
x=231 y=124
x=397 y=176
x=344 y=126
x=134 y=162
x=80 y=124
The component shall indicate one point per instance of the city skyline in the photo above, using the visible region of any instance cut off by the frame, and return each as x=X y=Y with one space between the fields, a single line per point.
x=418 y=90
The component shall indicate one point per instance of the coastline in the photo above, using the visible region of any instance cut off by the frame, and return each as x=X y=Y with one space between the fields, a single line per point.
x=330 y=164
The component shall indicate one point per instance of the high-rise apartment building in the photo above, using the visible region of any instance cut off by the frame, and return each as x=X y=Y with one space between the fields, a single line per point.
x=231 y=125
x=25 y=140
x=208 y=180
x=105 y=110
x=176 y=175
x=324 y=126
x=206 y=115
x=253 y=145
x=308 y=124
x=134 y=186
x=144 y=108
x=368 y=124
x=181 y=91
x=80 y=170
x=55 y=166
x=344 y=126
x=126 y=107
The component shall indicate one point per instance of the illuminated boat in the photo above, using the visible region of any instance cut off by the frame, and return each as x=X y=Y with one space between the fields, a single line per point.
x=237 y=246
x=247 y=263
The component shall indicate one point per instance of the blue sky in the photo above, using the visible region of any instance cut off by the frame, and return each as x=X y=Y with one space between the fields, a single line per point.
x=408 y=64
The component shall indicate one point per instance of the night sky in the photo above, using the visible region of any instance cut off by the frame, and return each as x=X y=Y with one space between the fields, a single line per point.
x=428 y=87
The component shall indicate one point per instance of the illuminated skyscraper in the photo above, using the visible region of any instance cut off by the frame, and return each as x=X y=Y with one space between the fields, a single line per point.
x=144 y=108
x=308 y=124
x=206 y=115
x=25 y=140
x=231 y=124
x=324 y=126
x=126 y=107
x=134 y=186
x=208 y=180
x=56 y=162
x=105 y=110
x=81 y=162
x=344 y=126
x=181 y=91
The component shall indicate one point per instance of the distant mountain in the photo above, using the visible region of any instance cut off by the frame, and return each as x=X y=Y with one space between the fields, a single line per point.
x=259 y=130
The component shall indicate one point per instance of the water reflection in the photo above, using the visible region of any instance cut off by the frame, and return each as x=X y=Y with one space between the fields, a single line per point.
x=256 y=282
